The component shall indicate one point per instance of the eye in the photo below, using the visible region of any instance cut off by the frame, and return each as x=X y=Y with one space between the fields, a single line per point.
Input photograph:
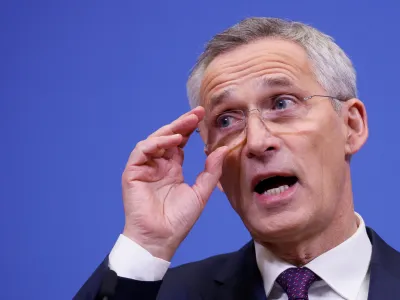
x=284 y=102
x=228 y=119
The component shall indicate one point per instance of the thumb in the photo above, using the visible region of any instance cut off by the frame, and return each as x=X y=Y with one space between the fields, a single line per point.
x=208 y=179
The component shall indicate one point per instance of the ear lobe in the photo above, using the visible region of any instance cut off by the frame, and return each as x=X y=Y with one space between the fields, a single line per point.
x=357 y=126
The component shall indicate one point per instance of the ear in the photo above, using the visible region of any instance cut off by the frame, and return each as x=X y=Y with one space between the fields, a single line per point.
x=356 y=126
x=219 y=183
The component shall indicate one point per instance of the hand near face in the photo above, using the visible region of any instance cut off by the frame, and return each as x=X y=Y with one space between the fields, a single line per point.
x=160 y=208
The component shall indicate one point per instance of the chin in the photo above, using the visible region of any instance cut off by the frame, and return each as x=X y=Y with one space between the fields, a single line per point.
x=286 y=225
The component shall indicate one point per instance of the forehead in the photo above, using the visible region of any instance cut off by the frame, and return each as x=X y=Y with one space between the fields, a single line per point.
x=260 y=59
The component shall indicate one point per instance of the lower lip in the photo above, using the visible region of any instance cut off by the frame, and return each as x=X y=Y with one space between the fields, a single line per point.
x=275 y=200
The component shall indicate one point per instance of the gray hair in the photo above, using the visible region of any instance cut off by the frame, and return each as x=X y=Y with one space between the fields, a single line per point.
x=332 y=68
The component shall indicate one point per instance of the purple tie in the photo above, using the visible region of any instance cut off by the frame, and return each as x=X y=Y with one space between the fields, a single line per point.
x=296 y=282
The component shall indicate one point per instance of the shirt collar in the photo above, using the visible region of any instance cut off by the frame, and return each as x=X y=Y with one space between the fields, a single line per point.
x=343 y=268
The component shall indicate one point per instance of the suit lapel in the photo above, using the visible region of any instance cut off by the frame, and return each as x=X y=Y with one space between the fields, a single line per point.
x=385 y=270
x=240 y=277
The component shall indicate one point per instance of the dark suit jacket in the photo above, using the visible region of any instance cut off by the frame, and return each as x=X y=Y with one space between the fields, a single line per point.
x=234 y=276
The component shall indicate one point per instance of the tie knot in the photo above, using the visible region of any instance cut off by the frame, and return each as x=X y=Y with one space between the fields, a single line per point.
x=296 y=282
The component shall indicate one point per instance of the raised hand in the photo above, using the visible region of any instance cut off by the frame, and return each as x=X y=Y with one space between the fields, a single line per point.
x=160 y=208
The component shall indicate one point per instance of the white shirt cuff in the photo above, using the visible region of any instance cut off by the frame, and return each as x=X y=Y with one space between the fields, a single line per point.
x=130 y=260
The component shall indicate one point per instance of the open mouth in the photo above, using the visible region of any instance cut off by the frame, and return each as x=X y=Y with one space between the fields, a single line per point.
x=275 y=185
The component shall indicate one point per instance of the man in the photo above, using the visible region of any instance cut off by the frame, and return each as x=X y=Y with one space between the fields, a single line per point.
x=275 y=103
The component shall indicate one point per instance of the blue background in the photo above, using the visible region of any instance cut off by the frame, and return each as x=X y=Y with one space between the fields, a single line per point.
x=81 y=82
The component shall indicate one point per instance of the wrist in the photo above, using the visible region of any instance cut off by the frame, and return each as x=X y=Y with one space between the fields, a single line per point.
x=156 y=248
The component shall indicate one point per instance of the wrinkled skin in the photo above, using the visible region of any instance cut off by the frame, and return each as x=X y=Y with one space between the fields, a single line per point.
x=315 y=149
x=160 y=208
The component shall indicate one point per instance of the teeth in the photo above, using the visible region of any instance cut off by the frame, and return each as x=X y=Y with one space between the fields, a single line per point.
x=276 y=191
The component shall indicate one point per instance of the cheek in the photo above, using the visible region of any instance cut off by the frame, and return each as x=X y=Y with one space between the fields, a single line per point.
x=319 y=150
x=329 y=143
x=317 y=138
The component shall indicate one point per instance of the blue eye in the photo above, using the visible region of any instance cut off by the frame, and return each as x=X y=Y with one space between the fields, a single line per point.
x=229 y=119
x=224 y=121
x=282 y=103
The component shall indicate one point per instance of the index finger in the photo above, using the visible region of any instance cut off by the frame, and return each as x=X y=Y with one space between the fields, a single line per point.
x=184 y=125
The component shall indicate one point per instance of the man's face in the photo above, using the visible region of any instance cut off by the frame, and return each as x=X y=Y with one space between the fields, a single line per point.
x=284 y=176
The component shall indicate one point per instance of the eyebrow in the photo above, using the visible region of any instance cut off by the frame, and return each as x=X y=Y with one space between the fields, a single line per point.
x=274 y=82
x=264 y=82
x=219 y=98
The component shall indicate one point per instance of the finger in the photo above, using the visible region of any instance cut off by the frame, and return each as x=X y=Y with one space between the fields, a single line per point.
x=176 y=154
x=152 y=148
x=184 y=125
x=159 y=153
x=208 y=179
x=198 y=111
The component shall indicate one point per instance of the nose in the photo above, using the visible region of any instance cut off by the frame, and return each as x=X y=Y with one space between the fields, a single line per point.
x=260 y=140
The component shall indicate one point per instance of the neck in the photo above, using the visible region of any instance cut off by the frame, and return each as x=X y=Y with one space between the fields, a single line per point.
x=301 y=250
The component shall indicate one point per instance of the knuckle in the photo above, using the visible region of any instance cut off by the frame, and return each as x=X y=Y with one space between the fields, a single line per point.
x=140 y=145
x=130 y=174
x=125 y=177
x=158 y=131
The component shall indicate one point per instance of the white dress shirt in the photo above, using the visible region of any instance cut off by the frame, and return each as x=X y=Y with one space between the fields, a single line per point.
x=344 y=270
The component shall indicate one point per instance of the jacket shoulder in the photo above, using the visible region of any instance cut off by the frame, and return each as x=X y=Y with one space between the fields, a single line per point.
x=384 y=254
x=202 y=267
x=195 y=278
